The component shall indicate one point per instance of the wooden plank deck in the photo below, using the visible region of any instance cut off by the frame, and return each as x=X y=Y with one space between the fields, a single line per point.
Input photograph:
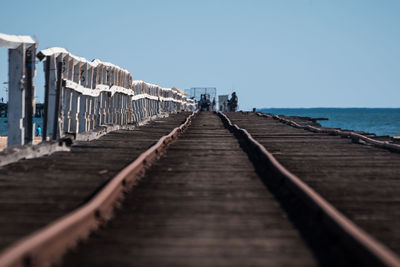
x=202 y=204
x=35 y=192
x=362 y=181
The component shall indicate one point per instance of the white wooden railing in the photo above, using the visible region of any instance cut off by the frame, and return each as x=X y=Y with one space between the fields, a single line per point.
x=21 y=90
x=80 y=95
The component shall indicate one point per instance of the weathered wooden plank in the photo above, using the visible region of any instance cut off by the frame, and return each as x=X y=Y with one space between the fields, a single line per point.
x=36 y=191
x=200 y=205
x=361 y=181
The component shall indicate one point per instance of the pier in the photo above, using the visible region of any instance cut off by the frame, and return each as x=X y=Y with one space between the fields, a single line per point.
x=133 y=174
x=208 y=199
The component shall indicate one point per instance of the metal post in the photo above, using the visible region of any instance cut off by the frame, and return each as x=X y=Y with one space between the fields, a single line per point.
x=30 y=92
x=46 y=97
x=58 y=93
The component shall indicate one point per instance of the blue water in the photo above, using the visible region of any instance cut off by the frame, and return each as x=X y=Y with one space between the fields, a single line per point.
x=3 y=124
x=381 y=121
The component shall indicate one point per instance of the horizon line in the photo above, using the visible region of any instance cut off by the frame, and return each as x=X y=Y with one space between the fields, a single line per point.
x=326 y=107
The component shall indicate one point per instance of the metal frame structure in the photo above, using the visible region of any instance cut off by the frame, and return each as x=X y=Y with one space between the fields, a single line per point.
x=196 y=92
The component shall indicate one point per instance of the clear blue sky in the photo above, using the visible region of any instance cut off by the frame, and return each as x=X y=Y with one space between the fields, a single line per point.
x=272 y=53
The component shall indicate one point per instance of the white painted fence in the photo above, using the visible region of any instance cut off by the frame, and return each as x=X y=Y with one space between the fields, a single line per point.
x=21 y=91
x=80 y=95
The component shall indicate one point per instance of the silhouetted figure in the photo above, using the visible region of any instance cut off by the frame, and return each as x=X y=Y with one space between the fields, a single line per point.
x=38 y=131
x=233 y=102
x=214 y=104
x=204 y=103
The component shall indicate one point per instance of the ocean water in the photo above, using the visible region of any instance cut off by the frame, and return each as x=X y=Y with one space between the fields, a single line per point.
x=380 y=121
x=4 y=121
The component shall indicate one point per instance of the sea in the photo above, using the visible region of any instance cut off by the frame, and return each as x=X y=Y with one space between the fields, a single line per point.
x=380 y=121
x=4 y=122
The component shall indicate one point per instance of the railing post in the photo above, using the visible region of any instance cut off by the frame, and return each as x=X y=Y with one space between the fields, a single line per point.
x=97 y=80
x=51 y=92
x=30 y=92
x=97 y=111
x=46 y=96
x=107 y=106
x=134 y=111
x=57 y=124
x=82 y=110
x=74 y=111
x=101 y=108
x=16 y=96
x=69 y=74
x=21 y=93
x=89 y=114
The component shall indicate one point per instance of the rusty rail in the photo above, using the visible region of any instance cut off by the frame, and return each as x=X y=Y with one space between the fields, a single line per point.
x=47 y=245
x=358 y=242
x=348 y=134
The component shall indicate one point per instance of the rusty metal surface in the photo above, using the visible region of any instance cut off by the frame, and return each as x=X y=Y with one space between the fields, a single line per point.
x=201 y=204
x=105 y=157
x=358 y=180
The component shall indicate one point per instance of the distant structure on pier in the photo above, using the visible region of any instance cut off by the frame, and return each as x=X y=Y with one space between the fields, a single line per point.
x=196 y=92
x=223 y=102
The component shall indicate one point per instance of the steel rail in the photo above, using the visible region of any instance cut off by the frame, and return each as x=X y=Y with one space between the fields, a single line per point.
x=348 y=134
x=48 y=244
x=356 y=240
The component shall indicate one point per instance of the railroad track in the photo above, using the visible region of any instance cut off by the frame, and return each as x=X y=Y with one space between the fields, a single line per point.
x=360 y=180
x=37 y=191
x=203 y=203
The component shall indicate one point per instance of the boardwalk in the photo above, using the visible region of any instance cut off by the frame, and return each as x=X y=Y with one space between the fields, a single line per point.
x=361 y=181
x=200 y=205
x=209 y=201
x=34 y=192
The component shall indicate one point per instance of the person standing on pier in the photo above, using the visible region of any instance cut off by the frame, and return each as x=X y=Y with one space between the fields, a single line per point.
x=232 y=103
x=214 y=104
x=38 y=131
